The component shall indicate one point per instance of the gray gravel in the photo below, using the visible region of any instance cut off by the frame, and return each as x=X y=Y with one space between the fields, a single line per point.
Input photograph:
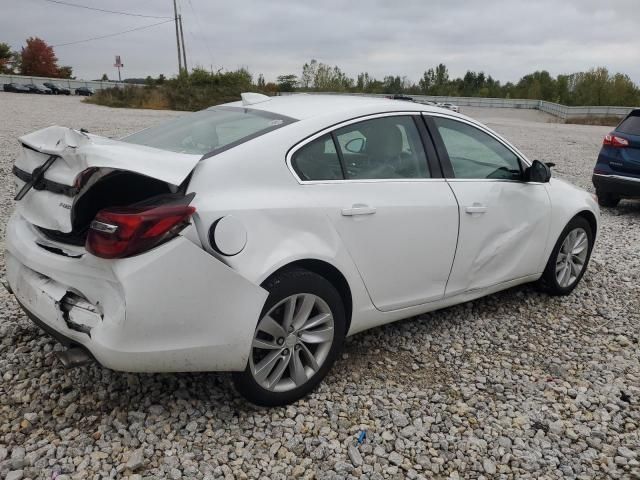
x=516 y=385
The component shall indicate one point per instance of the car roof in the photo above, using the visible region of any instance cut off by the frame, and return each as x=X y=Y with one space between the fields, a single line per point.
x=304 y=106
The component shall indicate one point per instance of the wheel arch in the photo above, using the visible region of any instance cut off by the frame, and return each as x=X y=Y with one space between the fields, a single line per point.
x=589 y=216
x=330 y=273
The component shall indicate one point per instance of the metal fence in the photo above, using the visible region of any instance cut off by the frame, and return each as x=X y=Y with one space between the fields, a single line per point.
x=70 y=84
x=561 y=111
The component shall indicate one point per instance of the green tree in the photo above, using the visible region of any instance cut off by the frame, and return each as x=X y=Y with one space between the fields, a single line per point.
x=287 y=83
x=65 y=71
x=5 y=58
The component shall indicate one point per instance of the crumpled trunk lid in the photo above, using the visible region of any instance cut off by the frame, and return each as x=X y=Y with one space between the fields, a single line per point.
x=49 y=203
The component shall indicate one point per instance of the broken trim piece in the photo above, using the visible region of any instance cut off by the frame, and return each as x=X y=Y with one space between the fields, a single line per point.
x=44 y=184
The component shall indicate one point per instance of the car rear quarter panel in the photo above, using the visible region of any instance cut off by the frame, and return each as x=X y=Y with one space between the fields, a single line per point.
x=252 y=183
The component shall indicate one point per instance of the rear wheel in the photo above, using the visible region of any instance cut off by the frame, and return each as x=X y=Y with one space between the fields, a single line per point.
x=569 y=258
x=298 y=337
x=607 y=199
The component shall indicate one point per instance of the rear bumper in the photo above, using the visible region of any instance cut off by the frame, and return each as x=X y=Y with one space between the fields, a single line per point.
x=174 y=308
x=617 y=185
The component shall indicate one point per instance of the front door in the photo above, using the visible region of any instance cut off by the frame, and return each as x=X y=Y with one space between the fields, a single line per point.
x=504 y=222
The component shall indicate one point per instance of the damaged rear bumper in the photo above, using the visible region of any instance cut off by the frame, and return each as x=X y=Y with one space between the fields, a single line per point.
x=174 y=308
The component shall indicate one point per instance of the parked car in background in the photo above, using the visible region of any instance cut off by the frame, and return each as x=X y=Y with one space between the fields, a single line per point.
x=617 y=171
x=254 y=236
x=38 y=88
x=449 y=106
x=84 y=91
x=15 y=87
x=57 y=89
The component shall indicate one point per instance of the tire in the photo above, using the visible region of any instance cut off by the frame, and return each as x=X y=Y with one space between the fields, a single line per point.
x=303 y=354
x=560 y=276
x=607 y=199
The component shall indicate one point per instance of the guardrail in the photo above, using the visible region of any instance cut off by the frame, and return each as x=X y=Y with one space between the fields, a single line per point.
x=561 y=111
x=66 y=82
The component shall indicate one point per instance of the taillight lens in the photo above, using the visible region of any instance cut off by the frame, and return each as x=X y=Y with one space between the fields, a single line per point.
x=125 y=231
x=614 y=141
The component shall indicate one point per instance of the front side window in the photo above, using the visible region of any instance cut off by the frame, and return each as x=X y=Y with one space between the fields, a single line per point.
x=382 y=148
x=209 y=131
x=476 y=154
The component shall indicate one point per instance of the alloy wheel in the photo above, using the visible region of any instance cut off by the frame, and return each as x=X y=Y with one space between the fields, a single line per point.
x=572 y=257
x=291 y=342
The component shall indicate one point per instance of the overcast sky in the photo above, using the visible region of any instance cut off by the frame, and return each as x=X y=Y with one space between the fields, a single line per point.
x=503 y=38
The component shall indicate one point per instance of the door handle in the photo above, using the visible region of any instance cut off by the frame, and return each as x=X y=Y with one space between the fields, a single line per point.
x=358 y=209
x=476 y=208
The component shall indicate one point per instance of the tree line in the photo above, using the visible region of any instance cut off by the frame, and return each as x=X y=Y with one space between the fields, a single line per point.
x=593 y=87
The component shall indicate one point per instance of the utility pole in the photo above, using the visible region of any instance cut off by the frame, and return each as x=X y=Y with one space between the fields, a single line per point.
x=184 y=48
x=175 y=16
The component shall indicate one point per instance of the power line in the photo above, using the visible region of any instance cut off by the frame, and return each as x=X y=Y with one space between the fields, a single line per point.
x=113 y=34
x=103 y=10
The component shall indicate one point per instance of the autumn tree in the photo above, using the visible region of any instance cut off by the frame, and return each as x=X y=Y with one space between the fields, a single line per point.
x=39 y=59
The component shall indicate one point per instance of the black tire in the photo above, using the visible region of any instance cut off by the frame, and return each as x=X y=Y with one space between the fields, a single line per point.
x=606 y=199
x=281 y=286
x=549 y=281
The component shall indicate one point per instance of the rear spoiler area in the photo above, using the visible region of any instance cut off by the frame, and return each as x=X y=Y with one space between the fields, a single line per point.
x=58 y=165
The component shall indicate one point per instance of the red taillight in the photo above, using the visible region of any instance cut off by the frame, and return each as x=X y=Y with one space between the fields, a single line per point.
x=614 y=141
x=125 y=231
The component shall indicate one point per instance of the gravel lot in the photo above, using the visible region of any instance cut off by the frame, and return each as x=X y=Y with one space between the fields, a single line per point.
x=516 y=385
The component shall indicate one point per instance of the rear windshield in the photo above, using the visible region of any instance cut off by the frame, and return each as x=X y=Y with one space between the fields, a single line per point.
x=209 y=131
x=631 y=124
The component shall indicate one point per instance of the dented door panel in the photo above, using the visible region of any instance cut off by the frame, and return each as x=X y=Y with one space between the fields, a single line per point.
x=503 y=235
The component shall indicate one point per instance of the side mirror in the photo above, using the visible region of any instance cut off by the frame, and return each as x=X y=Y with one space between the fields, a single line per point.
x=538 y=172
x=355 y=145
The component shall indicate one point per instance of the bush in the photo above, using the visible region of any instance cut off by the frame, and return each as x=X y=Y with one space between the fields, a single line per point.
x=198 y=90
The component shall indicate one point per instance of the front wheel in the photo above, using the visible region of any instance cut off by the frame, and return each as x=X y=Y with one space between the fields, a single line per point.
x=569 y=258
x=299 y=335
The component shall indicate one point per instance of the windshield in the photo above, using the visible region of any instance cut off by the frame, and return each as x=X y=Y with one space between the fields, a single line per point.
x=209 y=131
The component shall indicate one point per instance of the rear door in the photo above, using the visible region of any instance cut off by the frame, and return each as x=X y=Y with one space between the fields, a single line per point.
x=504 y=222
x=627 y=159
x=396 y=216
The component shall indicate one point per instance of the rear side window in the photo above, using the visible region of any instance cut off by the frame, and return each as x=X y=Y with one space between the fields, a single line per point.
x=209 y=131
x=630 y=125
x=318 y=160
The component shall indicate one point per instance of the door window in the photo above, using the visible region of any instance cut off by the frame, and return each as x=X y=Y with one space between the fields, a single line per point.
x=318 y=160
x=382 y=148
x=476 y=154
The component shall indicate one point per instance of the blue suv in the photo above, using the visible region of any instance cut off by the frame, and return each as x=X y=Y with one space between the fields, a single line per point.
x=617 y=172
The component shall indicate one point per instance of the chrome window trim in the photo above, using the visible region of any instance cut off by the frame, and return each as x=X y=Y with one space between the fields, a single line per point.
x=345 y=123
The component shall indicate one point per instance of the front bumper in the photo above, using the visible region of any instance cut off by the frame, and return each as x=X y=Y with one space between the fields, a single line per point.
x=174 y=308
x=617 y=185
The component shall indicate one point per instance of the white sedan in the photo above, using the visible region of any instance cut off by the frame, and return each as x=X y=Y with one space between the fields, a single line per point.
x=254 y=236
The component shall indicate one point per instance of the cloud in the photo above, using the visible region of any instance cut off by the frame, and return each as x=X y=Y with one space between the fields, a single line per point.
x=506 y=39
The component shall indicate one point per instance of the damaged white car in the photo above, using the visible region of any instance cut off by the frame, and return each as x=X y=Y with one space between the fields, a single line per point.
x=254 y=236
